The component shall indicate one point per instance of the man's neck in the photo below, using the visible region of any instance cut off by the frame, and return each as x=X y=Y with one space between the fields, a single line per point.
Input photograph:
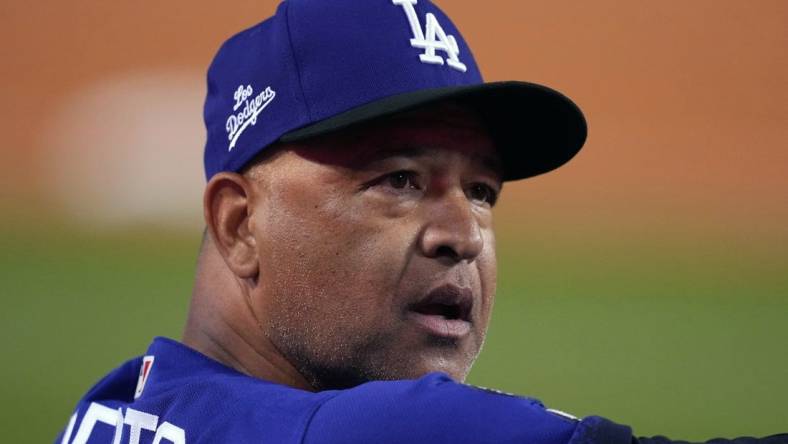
x=222 y=326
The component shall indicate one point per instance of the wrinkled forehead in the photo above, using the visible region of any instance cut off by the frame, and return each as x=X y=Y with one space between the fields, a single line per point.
x=444 y=126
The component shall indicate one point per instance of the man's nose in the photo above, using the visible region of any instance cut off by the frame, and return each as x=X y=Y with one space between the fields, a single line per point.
x=452 y=229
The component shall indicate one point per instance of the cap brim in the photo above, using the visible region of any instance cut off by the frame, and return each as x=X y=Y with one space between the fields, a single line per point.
x=535 y=128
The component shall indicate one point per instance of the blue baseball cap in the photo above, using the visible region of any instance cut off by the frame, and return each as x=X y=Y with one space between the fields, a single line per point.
x=319 y=66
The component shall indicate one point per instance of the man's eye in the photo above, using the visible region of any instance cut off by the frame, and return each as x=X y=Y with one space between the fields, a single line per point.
x=402 y=180
x=482 y=193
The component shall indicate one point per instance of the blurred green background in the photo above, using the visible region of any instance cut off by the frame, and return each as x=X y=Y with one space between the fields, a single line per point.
x=646 y=281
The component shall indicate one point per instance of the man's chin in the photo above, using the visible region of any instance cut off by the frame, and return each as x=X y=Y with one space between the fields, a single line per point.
x=454 y=364
x=376 y=362
x=455 y=371
x=326 y=378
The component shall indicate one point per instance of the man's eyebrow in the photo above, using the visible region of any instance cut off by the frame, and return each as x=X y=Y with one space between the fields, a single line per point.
x=384 y=152
x=492 y=163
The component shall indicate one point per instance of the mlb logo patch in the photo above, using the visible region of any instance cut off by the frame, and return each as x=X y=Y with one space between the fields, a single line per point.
x=147 y=364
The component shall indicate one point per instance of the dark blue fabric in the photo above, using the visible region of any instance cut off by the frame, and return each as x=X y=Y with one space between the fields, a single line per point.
x=216 y=404
x=595 y=429
x=368 y=57
x=434 y=409
x=259 y=57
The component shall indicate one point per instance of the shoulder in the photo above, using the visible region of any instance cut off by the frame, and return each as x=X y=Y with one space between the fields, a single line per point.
x=223 y=405
x=187 y=395
x=204 y=401
x=433 y=409
x=243 y=409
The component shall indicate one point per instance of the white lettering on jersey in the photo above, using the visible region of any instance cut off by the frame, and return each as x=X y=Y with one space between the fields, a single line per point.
x=118 y=427
x=171 y=433
x=96 y=413
x=435 y=38
x=69 y=429
x=135 y=419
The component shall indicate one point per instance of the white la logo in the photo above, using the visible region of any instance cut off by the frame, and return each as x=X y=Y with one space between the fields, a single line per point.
x=435 y=38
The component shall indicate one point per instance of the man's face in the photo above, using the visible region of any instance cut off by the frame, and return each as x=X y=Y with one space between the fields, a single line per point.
x=376 y=248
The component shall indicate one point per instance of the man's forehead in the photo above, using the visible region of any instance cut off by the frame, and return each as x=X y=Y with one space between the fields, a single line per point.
x=387 y=149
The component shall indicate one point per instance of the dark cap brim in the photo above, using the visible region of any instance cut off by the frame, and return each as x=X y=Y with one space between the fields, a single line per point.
x=535 y=128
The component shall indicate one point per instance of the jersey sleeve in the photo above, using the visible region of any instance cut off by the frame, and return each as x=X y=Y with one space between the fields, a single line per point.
x=435 y=409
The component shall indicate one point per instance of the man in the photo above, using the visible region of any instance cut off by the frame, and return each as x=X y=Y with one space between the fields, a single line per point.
x=347 y=272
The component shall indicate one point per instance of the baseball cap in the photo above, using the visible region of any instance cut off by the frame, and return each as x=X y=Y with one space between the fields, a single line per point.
x=319 y=66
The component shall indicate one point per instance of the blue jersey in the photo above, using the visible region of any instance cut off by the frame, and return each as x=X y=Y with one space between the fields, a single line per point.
x=174 y=394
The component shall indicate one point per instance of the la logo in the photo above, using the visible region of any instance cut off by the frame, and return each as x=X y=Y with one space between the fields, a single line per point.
x=432 y=39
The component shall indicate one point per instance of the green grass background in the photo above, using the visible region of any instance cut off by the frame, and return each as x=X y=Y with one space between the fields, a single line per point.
x=680 y=333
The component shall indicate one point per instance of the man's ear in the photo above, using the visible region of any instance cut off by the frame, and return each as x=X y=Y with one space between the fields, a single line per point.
x=227 y=208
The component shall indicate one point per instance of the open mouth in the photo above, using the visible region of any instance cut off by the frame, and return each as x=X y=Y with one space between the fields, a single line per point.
x=445 y=311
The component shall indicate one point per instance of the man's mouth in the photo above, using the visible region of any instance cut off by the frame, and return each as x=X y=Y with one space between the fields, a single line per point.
x=446 y=311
